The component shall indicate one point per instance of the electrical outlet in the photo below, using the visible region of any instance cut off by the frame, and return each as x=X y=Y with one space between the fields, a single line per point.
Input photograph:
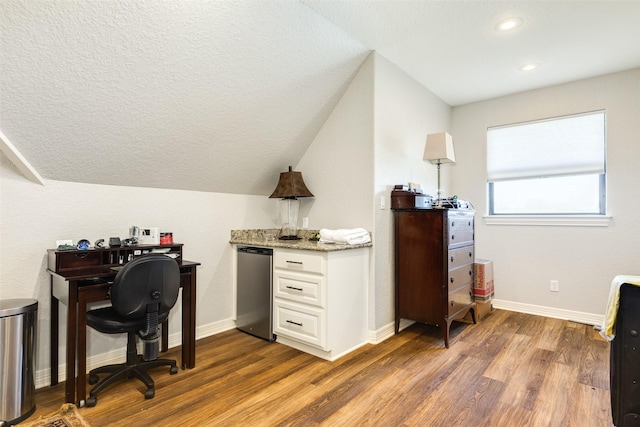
x=382 y=202
x=305 y=222
x=554 y=286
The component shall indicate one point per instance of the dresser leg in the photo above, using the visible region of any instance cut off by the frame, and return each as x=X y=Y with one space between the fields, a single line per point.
x=445 y=331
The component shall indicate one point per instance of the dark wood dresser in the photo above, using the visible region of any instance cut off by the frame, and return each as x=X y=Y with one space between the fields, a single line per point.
x=434 y=255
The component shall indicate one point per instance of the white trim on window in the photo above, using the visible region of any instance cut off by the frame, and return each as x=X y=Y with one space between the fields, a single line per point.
x=550 y=220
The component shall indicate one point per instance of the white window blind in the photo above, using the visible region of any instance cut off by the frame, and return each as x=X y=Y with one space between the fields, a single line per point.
x=571 y=145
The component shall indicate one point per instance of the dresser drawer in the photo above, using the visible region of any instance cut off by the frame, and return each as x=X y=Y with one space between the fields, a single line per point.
x=301 y=323
x=459 y=299
x=304 y=288
x=298 y=261
x=460 y=237
x=460 y=256
x=460 y=220
x=460 y=276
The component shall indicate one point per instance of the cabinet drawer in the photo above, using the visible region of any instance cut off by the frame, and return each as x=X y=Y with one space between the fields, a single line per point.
x=461 y=256
x=460 y=276
x=302 y=288
x=299 y=322
x=298 y=261
x=459 y=299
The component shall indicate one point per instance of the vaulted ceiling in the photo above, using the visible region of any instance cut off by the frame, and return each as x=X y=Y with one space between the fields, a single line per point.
x=221 y=96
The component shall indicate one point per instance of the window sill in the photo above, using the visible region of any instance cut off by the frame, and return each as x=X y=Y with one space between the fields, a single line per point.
x=554 y=220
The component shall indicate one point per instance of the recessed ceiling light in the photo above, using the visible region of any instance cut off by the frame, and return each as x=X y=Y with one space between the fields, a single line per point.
x=509 y=24
x=529 y=67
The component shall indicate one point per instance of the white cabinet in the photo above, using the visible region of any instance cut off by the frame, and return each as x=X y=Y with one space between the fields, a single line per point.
x=320 y=300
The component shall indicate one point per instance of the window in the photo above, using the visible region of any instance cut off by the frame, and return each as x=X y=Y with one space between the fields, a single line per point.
x=548 y=167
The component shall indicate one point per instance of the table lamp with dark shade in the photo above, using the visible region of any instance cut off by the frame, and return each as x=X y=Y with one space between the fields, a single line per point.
x=289 y=188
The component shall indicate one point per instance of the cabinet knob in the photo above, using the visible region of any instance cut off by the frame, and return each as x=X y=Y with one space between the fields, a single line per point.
x=452 y=280
x=453 y=303
x=452 y=258
x=453 y=223
x=470 y=272
x=470 y=254
x=453 y=237
x=634 y=333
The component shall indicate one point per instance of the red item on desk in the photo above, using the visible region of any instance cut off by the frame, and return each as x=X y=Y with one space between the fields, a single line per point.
x=166 y=238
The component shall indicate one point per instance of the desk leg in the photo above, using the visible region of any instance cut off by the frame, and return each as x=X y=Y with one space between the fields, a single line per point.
x=189 y=321
x=53 y=338
x=70 y=380
x=81 y=379
x=192 y=321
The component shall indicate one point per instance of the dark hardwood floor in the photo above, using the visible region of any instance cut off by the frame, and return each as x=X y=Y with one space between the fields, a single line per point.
x=511 y=369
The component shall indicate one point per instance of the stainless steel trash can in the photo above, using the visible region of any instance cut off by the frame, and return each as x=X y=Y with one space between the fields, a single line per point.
x=18 y=320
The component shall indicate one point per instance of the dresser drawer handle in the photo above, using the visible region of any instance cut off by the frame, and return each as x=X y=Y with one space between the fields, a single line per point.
x=453 y=303
x=295 y=323
x=470 y=254
x=453 y=237
x=294 y=262
x=452 y=280
x=294 y=288
x=470 y=272
x=453 y=223
x=452 y=259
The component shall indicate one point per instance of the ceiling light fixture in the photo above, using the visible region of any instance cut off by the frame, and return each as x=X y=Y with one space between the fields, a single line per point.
x=509 y=24
x=529 y=67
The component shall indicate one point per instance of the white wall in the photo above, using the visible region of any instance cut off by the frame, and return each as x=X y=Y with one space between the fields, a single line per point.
x=373 y=139
x=338 y=166
x=405 y=112
x=582 y=259
x=33 y=217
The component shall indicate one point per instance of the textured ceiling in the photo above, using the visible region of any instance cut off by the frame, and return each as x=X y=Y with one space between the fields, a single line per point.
x=223 y=95
x=210 y=96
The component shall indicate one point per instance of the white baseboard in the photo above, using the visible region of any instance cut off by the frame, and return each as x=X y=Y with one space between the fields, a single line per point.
x=377 y=336
x=556 y=313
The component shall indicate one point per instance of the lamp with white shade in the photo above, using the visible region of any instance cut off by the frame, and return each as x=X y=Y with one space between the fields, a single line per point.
x=439 y=150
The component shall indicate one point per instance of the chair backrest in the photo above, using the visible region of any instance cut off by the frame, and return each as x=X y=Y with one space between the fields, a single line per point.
x=149 y=283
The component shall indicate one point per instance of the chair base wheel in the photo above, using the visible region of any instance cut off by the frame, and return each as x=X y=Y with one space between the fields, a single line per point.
x=173 y=370
x=91 y=401
x=93 y=379
x=149 y=393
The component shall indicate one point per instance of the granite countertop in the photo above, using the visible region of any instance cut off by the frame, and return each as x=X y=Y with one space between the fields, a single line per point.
x=257 y=237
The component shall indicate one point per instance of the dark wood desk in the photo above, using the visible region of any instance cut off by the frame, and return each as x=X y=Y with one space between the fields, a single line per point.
x=81 y=277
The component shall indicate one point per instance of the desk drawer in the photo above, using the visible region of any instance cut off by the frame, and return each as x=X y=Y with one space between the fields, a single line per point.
x=73 y=260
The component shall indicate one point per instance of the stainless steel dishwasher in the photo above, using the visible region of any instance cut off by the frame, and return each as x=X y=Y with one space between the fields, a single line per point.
x=254 y=295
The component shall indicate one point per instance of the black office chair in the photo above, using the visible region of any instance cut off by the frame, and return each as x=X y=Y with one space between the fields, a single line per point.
x=142 y=294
